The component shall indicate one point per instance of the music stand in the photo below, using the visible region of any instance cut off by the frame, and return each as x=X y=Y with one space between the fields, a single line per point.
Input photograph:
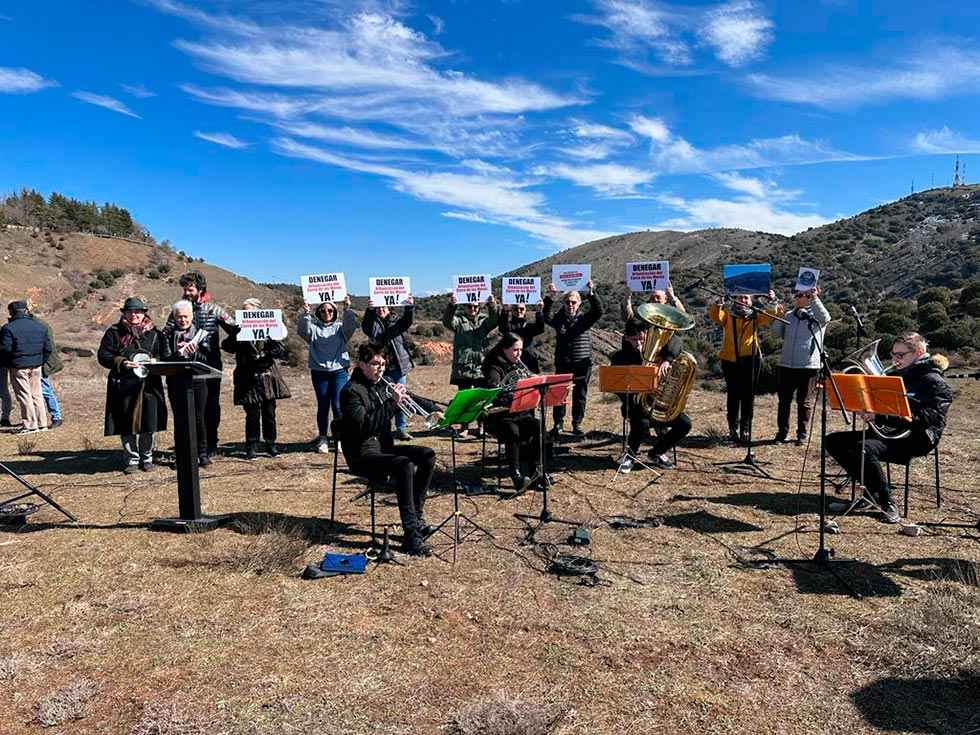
x=181 y=376
x=466 y=406
x=629 y=380
x=552 y=391
x=14 y=515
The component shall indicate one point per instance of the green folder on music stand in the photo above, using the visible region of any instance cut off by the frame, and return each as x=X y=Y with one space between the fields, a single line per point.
x=467 y=406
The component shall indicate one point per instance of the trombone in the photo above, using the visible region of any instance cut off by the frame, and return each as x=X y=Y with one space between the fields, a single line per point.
x=411 y=407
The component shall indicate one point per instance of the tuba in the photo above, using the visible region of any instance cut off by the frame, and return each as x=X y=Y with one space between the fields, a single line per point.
x=667 y=401
x=867 y=362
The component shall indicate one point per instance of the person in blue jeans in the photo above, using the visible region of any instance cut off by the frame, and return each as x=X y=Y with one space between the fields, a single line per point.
x=49 y=368
x=329 y=361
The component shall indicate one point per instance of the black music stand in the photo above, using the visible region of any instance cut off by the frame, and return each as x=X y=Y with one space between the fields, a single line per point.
x=181 y=376
x=630 y=380
x=552 y=390
x=13 y=513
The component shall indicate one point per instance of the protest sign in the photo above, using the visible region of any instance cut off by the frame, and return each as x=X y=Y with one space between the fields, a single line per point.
x=807 y=279
x=571 y=277
x=524 y=290
x=389 y=290
x=747 y=278
x=649 y=276
x=323 y=287
x=257 y=324
x=471 y=289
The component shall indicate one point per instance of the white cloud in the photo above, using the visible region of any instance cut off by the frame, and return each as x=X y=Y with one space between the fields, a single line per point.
x=225 y=139
x=673 y=154
x=500 y=199
x=583 y=129
x=22 y=81
x=589 y=151
x=438 y=24
x=109 y=103
x=931 y=74
x=944 y=141
x=609 y=179
x=598 y=141
x=137 y=90
x=738 y=32
x=354 y=137
x=747 y=213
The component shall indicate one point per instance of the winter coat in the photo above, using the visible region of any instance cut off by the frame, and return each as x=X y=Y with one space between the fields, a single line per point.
x=257 y=377
x=54 y=363
x=209 y=316
x=24 y=342
x=573 y=341
x=740 y=336
x=390 y=333
x=527 y=331
x=328 y=342
x=132 y=405
x=800 y=349
x=366 y=411
x=929 y=398
x=495 y=371
x=172 y=337
x=468 y=338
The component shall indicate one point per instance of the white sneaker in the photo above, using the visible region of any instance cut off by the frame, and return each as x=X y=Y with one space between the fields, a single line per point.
x=625 y=465
x=323 y=445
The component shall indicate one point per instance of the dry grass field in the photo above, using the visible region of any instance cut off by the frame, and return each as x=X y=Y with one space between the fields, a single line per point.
x=108 y=627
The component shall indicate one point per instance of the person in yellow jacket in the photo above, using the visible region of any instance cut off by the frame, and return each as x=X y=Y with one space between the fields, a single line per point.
x=740 y=357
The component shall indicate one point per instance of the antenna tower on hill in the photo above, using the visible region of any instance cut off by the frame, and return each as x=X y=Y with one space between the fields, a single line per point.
x=957 y=181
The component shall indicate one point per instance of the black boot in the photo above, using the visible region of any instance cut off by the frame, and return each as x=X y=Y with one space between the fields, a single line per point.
x=733 y=432
x=250 y=452
x=412 y=539
x=271 y=448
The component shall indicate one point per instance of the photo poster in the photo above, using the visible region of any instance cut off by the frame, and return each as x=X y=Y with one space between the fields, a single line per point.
x=389 y=290
x=472 y=289
x=571 y=277
x=521 y=290
x=323 y=287
x=649 y=276
x=806 y=279
x=259 y=324
x=747 y=278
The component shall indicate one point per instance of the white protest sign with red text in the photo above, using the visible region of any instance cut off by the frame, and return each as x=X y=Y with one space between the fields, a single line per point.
x=260 y=324
x=571 y=277
x=323 y=287
x=389 y=290
x=471 y=289
x=517 y=290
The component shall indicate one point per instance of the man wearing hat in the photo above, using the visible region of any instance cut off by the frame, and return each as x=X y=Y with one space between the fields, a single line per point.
x=24 y=348
x=134 y=406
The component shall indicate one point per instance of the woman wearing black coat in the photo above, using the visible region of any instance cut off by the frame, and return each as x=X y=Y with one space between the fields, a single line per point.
x=258 y=385
x=134 y=406
x=516 y=322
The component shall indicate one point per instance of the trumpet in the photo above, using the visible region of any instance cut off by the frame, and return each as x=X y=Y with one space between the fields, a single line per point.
x=411 y=407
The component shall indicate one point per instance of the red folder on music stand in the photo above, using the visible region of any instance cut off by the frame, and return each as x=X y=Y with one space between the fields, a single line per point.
x=558 y=386
x=526 y=395
x=879 y=394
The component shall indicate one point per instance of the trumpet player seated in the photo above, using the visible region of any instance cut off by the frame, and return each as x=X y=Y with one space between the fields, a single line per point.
x=929 y=398
x=368 y=406
x=669 y=434
x=520 y=433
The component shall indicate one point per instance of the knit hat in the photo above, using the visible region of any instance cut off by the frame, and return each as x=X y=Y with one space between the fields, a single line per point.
x=15 y=306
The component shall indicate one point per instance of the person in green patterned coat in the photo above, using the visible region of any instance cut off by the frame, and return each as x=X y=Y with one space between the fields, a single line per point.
x=470 y=330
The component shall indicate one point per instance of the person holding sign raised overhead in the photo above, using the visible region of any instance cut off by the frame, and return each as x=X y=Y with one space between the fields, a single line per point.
x=573 y=348
x=258 y=385
x=382 y=328
x=329 y=359
x=740 y=357
x=657 y=296
x=799 y=360
x=515 y=321
x=367 y=408
x=470 y=330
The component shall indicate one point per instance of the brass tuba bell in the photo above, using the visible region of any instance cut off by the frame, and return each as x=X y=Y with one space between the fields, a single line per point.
x=866 y=361
x=666 y=402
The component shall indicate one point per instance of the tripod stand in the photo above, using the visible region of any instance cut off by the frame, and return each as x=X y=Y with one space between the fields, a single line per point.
x=551 y=390
x=16 y=515
x=629 y=380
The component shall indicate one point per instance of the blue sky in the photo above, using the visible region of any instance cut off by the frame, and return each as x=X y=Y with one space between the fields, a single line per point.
x=430 y=139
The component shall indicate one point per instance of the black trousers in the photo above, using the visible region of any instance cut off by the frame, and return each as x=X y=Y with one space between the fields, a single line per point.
x=798 y=383
x=582 y=370
x=738 y=383
x=845 y=447
x=200 y=402
x=260 y=421
x=410 y=468
x=669 y=434
x=520 y=434
x=212 y=412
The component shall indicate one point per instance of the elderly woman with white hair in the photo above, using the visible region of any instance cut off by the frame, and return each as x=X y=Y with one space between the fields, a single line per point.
x=258 y=385
x=183 y=341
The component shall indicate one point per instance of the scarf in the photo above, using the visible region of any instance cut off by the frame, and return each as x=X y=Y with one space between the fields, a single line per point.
x=129 y=334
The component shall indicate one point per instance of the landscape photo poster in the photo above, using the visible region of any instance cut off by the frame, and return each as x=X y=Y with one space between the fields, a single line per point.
x=471 y=289
x=258 y=324
x=323 y=287
x=747 y=278
x=806 y=279
x=389 y=290
x=649 y=276
x=521 y=290
x=571 y=277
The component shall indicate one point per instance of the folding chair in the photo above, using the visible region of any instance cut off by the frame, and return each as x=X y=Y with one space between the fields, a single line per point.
x=935 y=456
x=374 y=484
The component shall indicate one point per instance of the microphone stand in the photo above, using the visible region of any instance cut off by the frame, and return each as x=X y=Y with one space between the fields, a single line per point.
x=748 y=462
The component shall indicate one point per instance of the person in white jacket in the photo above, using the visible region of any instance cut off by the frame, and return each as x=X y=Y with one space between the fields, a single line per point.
x=799 y=361
x=329 y=359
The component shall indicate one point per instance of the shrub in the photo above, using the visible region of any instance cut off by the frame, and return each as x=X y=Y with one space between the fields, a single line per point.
x=936 y=294
x=932 y=315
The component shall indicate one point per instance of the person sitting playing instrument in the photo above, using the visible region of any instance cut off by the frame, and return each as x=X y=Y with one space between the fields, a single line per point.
x=520 y=433
x=516 y=322
x=669 y=434
x=657 y=296
x=573 y=349
x=740 y=357
x=367 y=407
x=929 y=398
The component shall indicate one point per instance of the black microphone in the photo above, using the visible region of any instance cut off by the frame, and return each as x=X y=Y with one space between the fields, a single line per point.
x=857 y=317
